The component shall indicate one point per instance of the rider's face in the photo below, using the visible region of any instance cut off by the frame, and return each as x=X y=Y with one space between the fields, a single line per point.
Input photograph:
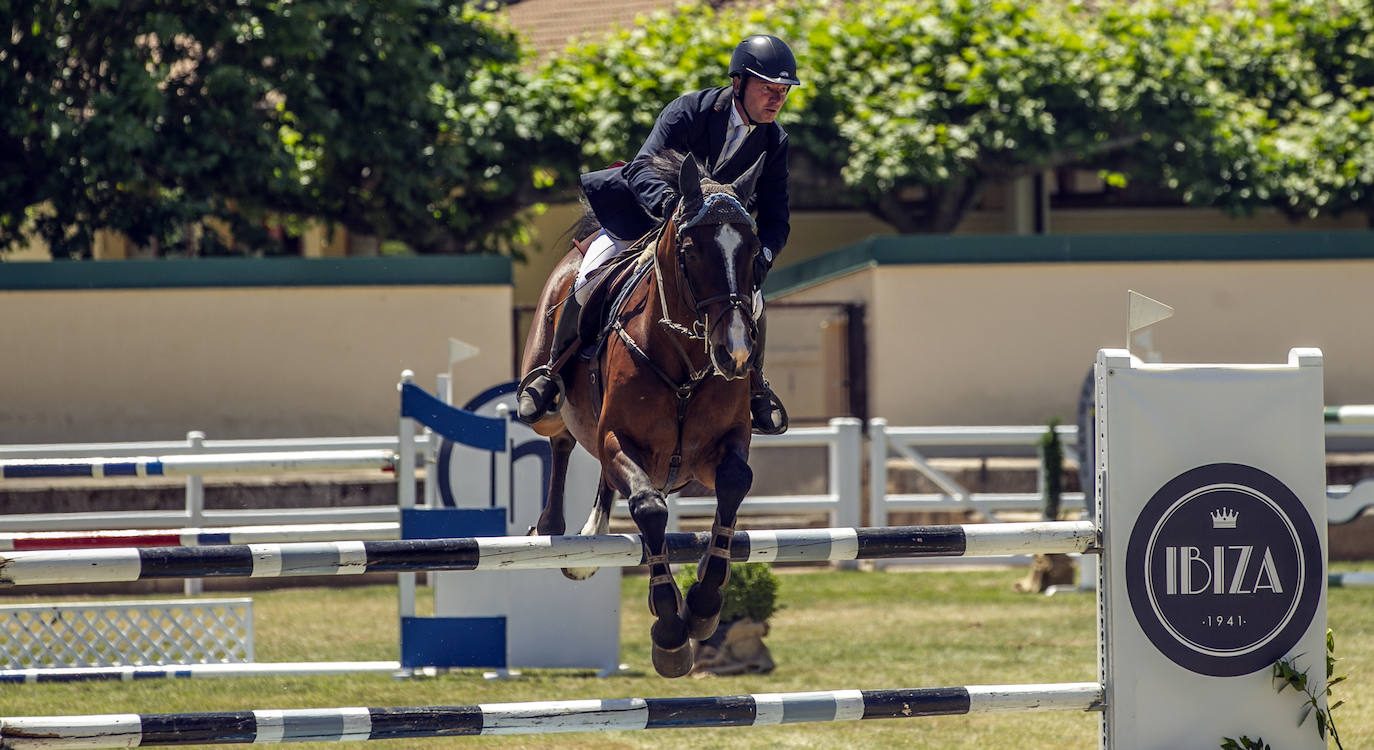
x=763 y=100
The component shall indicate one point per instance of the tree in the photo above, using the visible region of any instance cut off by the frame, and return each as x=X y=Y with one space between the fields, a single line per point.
x=910 y=109
x=172 y=122
x=1296 y=134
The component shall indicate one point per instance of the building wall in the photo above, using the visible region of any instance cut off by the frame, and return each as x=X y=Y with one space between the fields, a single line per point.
x=237 y=362
x=1010 y=343
x=815 y=233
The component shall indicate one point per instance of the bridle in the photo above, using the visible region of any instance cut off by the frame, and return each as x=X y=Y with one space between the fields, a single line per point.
x=715 y=209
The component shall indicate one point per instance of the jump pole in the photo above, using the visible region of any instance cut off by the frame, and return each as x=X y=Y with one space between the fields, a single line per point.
x=536 y=552
x=353 y=724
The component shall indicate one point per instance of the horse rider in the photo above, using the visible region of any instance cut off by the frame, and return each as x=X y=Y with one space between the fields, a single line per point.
x=727 y=129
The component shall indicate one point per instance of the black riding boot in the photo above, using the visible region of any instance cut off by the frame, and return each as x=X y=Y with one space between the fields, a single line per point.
x=766 y=411
x=541 y=392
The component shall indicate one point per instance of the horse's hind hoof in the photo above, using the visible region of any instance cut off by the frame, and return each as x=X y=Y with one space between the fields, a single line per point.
x=701 y=627
x=674 y=662
x=579 y=574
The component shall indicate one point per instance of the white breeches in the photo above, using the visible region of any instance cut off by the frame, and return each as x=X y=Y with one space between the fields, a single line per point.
x=603 y=248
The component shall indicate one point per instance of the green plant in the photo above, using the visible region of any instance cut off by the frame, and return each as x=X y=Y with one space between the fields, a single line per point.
x=751 y=592
x=1287 y=675
x=1052 y=462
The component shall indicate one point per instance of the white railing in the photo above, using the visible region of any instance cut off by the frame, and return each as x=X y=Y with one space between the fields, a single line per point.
x=907 y=442
x=843 y=440
x=841 y=500
x=194 y=514
x=1345 y=502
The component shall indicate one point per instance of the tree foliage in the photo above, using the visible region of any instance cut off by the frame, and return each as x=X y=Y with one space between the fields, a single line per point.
x=167 y=121
x=424 y=121
x=1294 y=129
x=911 y=108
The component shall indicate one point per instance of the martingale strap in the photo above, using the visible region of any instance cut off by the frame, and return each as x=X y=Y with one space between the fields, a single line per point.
x=683 y=392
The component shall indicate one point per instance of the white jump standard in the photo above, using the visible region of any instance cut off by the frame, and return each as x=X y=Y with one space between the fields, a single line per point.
x=533 y=552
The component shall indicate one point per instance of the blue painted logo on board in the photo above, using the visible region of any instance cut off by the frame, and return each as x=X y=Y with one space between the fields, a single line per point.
x=1224 y=569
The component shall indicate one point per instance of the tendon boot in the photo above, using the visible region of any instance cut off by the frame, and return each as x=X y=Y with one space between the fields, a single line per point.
x=541 y=392
x=766 y=412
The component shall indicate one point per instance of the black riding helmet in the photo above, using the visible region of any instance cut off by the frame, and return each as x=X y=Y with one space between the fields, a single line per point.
x=766 y=57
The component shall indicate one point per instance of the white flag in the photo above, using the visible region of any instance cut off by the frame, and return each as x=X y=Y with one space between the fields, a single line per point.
x=460 y=350
x=1142 y=311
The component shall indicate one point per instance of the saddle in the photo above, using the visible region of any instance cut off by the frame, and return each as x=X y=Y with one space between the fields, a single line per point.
x=608 y=289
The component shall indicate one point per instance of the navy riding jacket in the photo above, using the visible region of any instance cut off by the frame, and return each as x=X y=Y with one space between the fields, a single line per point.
x=628 y=200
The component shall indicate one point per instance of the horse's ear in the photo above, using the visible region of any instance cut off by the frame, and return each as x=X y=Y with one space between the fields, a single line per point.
x=743 y=186
x=689 y=181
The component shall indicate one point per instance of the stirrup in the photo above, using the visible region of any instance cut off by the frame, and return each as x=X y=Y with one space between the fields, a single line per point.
x=554 y=404
x=763 y=405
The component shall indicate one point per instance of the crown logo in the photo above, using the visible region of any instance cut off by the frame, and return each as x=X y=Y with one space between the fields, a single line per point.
x=1224 y=518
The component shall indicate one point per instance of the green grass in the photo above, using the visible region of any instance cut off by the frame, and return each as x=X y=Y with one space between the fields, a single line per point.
x=839 y=630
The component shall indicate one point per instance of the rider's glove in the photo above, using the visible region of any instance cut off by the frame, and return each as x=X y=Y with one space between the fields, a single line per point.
x=669 y=202
x=763 y=261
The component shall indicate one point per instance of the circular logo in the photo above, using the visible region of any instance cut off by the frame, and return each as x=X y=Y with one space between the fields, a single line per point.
x=1224 y=569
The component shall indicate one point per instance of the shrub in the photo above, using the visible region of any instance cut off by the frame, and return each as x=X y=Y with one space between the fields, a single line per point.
x=751 y=592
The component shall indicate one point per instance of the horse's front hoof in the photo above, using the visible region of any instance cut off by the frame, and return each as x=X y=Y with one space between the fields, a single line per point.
x=703 y=626
x=578 y=574
x=673 y=660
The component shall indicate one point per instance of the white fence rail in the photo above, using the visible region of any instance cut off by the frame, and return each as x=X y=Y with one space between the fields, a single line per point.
x=841 y=500
x=843 y=440
x=907 y=442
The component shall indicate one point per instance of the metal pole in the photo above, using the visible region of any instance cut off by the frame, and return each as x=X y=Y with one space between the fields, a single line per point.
x=405 y=495
x=195 y=506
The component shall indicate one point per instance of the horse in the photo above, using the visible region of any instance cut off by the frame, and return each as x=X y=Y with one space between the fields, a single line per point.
x=673 y=403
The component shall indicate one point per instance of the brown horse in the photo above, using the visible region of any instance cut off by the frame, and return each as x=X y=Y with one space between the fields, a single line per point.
x=674 y=406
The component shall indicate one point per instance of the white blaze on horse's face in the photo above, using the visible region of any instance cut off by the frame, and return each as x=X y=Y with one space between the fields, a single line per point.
x=738 y=346
x=731 y=242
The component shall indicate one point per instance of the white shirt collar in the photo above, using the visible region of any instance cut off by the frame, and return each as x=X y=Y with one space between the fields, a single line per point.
x=736 y=120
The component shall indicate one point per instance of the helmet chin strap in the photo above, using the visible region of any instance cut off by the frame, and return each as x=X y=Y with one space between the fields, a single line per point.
x=739 y=97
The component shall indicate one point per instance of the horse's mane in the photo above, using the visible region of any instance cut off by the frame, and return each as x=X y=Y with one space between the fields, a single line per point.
x=666 y=165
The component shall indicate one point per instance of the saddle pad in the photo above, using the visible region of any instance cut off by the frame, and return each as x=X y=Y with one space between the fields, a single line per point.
x=605 y=298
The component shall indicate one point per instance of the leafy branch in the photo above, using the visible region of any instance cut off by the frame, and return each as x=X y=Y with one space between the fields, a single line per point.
x=1286 y=674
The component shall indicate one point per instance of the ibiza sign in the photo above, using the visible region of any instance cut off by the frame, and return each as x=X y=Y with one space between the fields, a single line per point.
x=1224 y=569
